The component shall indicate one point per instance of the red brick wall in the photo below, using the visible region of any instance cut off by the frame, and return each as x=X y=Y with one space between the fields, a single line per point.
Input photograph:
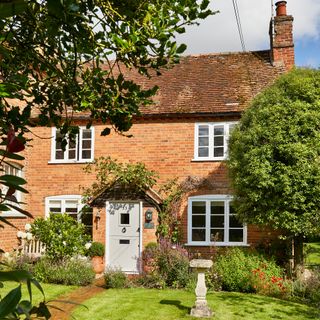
x=282 y=42
x=164 y=146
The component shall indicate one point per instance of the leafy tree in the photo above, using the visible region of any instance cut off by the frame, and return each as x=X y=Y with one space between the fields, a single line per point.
x=275 y=155
x=59 y=58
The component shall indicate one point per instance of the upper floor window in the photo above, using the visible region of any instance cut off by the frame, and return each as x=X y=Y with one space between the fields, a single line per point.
x=212 y=221
x=80 y=150
x=71 y=205
x=211 y=140
x=13 y=169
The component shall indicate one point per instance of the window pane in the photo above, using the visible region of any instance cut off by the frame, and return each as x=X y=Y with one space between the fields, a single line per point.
x=86 y=154
x=217 y=207
x=234 y=223
x=218 y=131
x=124 y=218
x=86 y=134
x=72 y=154
x=203 y=152
x=59 y=154
x=86 y=219
x=71 y=206
x=218 y=141
x=198 y=221
x=217 y=221
x=198 y=235
x=217 y=235
x=198 y=207
x=236 y=235
x=55 y=206
x=203 y=130
x=218 y=152
x=86 y=144
x=72 y=144
x=204 y=141
x=58 y=145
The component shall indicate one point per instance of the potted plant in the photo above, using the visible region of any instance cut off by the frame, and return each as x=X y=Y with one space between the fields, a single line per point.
x=96 y=252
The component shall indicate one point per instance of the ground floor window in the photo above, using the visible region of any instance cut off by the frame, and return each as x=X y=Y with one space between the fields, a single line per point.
x=212 y=221
x=71 y=205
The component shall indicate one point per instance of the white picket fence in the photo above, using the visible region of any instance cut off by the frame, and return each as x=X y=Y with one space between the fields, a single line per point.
x=33 y=248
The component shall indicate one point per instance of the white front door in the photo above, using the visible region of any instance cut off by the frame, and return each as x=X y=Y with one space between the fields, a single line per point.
x=123 y=237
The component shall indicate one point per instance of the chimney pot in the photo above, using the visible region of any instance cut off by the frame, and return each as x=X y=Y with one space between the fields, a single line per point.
x=281 y=8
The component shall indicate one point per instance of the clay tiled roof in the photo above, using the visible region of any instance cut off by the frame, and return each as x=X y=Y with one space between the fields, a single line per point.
x=212 y=83
x=207 y=84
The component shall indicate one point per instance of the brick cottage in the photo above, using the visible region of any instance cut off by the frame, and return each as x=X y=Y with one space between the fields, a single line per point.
x=183 y=134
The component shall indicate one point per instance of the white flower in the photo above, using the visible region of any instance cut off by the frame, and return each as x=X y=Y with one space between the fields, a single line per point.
x=29 y=236
x=19 y=234
x=23 y=235
x=64 y=243
x=27 y=227
x=87 y=245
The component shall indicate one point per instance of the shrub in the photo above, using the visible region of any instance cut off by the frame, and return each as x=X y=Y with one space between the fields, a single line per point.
x=170 y=265
x=96 y=250
x=115 y=278
x=62 y=236
x=16 y=261
x=308 y=290
x=245 y=271
x=68 y=271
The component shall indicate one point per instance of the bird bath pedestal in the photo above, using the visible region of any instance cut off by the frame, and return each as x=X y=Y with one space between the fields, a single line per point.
x=201 y=309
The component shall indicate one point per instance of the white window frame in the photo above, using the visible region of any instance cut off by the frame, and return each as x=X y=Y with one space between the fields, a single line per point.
x=78 y=147
x=63 y=199
x=211 y=125
x=208 y=198
x=18 y=194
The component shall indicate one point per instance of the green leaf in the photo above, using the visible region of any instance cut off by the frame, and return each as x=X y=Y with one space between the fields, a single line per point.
x=8 y=184
x=10 y=155
x=9 y=303
x=12 y=180
x=14 y=7
x=26 y=213
x=5 y=220
x=181 y=48
x=105 y=131
x=17 y=276
x=24 y=307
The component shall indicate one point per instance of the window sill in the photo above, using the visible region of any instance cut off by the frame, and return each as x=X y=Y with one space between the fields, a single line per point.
x=209 y=160
x=205 y=244
x=70 y=162
x=12 y=215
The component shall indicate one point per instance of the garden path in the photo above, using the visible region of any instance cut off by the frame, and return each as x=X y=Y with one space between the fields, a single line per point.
x=77 y=296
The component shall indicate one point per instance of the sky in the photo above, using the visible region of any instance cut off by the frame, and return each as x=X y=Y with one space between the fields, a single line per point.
x=219 y=33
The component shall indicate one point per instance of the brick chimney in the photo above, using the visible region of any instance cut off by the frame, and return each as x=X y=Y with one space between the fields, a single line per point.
x=281 y=37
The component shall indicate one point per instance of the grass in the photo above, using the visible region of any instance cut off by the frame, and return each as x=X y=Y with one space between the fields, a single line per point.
x=146 y=304
x=313 y=253
x=51 y=291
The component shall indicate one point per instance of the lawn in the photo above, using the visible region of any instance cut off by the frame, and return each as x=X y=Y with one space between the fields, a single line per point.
x=51 y=291
x=146 y=304
x=313 y=253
